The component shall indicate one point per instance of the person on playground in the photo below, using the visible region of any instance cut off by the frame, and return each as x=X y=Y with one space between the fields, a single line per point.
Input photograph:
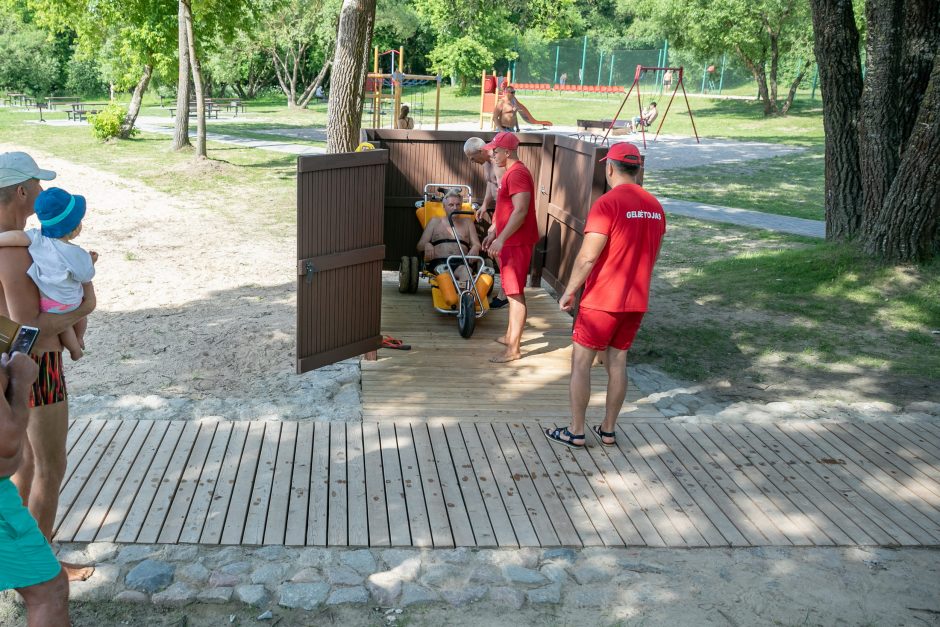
x=59 y=267
x=646 y=119
x=39 y=477
x=512 y=236
x=622 y=237
x=404 y=120
x=492 y=174
x=27 y=563
x=437 y=241
x=667 y=80
x=506 y=112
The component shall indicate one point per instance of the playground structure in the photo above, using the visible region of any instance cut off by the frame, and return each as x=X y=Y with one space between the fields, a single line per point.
x=396 y=80
x=640 y=70
x=492 y=88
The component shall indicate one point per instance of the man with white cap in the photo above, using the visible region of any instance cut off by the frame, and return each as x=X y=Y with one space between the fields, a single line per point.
x=622 y=236
x=40 y=476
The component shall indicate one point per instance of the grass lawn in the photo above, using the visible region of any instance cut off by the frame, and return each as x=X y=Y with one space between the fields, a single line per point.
x=791 y=185
x=735 y=302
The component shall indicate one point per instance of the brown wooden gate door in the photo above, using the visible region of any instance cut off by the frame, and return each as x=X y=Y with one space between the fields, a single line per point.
x=340 y=205
x=570 y=180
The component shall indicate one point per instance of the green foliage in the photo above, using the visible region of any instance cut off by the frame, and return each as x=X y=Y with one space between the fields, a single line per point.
x=470 y=36
x=84 y=78
x=28 y=59
x=107 y=123
x=464 y=57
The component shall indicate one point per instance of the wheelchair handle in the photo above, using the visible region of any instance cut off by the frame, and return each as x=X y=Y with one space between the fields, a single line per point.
x=450 y=216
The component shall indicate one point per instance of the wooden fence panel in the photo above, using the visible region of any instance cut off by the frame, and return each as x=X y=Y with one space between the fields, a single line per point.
x=416 y=158
x=339 y=256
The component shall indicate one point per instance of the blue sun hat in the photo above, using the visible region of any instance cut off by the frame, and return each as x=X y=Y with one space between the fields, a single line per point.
x=59 y=212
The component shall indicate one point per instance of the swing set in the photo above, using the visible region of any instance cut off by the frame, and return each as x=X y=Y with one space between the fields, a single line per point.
x=396 y=80
x=640 y=70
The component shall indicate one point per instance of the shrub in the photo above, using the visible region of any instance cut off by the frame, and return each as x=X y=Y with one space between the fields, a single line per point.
x=84 y=78
x=108 y=122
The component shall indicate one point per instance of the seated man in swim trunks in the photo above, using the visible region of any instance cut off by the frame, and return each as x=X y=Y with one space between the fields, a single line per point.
x=437 y=242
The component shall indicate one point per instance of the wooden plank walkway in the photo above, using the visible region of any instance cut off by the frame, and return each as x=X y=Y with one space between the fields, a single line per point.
x=447 y=377
x=439 y=484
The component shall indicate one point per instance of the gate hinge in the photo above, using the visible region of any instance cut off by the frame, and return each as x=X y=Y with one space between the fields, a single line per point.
x=308 y=271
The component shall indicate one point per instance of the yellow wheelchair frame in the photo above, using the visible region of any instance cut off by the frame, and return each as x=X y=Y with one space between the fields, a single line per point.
x=468 y=299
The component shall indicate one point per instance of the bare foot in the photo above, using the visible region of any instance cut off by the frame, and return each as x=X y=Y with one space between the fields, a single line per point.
x=501 y=340
x=77 y=572
x=76 y=354
x=505 y=357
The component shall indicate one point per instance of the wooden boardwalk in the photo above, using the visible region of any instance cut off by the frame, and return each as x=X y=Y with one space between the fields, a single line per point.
x=447 y=377
x=500 y=484
x=450 y=453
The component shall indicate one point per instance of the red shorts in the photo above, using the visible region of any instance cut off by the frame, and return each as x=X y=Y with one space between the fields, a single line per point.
x=514 y=264
x=596 y=329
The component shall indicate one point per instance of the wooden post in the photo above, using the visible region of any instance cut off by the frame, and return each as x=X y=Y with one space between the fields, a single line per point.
x=437 y=105
x=482 y=96
x=376 y=93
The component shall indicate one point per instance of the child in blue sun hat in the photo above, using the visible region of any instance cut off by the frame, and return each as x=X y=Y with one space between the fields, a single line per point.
x=59 y=267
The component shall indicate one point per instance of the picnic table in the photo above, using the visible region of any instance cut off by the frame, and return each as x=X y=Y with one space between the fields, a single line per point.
x=16 y=99
x=212 y=110
x=81 y=110
x=52 y=101
x=228 y=103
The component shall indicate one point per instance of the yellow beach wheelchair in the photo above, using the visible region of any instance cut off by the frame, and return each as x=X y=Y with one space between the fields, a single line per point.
x=467 y=300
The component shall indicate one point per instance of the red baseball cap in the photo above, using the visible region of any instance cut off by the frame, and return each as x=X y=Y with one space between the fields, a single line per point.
x=625 y=152
x=505 y=139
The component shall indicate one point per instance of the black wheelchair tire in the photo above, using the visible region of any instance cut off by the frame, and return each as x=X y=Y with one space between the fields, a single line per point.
x=466 y=317
x=404 y=275
x=415 y=275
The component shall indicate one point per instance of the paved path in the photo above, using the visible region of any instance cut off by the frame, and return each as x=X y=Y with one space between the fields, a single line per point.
x=155 y=125
x=745 y=217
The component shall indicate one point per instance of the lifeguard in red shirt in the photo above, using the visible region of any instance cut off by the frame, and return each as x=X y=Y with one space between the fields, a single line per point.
x=622 y=237
x=512 y=237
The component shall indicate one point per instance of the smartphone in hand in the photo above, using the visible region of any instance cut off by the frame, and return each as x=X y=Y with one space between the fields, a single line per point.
x=24 y=340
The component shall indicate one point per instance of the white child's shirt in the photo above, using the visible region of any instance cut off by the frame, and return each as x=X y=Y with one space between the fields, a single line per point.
x=59 y=268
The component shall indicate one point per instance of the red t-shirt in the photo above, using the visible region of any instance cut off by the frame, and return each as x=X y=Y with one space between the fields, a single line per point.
x=634 y=223
x=517 y=179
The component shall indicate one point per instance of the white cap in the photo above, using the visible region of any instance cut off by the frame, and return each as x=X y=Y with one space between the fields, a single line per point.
x=17 y=167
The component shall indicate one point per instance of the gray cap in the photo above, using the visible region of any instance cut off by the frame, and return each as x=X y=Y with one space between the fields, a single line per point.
x=16 y=167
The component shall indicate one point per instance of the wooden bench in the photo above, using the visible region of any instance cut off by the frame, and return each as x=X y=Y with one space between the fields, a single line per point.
x=588 y=128
x=52 y=101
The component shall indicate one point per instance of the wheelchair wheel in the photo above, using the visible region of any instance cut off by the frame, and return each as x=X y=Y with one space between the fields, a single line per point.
x=466 y=317
x=415 y=275
x=404 y=275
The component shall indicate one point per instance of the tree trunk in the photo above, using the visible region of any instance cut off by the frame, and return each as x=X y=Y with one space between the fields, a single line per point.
x=774 y=67
x=353 y=39
x=284 y=78
x=760 y=77
x=197 y=79
x=879 y=129
x=312 y=87
x=181 y=127
x=921 y=43
x=134 y=108
x=840 y=77
x=906 y=228
x=795 y=85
